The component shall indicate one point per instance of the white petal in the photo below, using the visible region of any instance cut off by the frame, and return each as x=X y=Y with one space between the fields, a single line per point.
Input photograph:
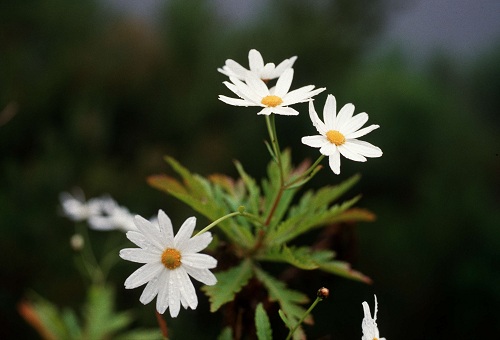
x=355 y=123
x=185 y=232
x=318 y=124
x=255 y=60
x=268 y=71
x=174 y=295
x=196 y=243
x=101 y=223
x=283 y=83
x=330 y=112
x=238 y=70
x=283 y=66
x=140 y=255
x=345 y=114
x=257 y=85
x=199 y=260
x=149 y=230
x=364 y=148
x=202 y=275
x=334 y=162
x=328 y=149
x=265 y=111
x=350 y=154
x=246 y=91
x=285 y=111
x=297 y=95
x=151 y=290
x=315 y=141
x=362 y=132
x=166 y=229
x=140 y=240
x=186 y=287
x=234 y=101
x=143 y=275
x=163 y=291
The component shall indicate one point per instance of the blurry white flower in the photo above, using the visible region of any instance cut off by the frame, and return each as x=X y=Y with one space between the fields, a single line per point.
x=254 y=92
x=369 y=325
x=339 y=133
x=113 y=217
x=257 y=67
x=75 y=207
x=168 y=263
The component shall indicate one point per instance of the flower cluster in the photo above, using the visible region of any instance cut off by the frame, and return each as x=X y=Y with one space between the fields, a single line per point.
x=337 y=133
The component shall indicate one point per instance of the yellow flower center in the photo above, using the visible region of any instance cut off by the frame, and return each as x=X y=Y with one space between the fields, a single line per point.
x=271 y=101
x=335 y=137
x=171 y=258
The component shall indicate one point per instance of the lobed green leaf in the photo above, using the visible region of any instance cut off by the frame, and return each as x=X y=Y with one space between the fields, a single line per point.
x=262 y=324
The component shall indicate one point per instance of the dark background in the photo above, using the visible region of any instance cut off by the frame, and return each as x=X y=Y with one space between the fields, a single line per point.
x=94 y=99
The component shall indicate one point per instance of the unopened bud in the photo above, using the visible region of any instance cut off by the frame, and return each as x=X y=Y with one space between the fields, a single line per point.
x=77 y=242
x=323 y=293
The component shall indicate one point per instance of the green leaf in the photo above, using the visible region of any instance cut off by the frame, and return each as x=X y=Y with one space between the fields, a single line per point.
x=299 y=224
x=298 y=257
x=288 y=299
x=226 y=334
x=100 y=319
x=262 y=324
x=344 y=269
x=284 y=318
x=199 y=194
x=142 y=334
x=228 y=284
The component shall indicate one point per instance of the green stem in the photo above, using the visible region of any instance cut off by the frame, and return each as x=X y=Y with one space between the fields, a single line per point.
x=292 y=330
x=271 y=129
x=241 y=211
x=89 y=260
x=306 y=173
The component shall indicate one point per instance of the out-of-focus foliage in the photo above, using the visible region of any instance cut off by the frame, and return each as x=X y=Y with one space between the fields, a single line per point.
x=95 y=100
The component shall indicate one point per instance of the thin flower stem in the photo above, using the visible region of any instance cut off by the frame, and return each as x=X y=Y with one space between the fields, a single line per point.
x=241 y=211
x=271 y=128
x=306 y=173
x=292 y=330
x=163 y=325
x=89 y=260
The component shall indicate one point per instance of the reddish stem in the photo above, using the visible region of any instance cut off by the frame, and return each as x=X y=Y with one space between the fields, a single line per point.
x=163 y=325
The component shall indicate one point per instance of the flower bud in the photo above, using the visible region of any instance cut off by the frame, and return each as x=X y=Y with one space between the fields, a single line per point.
x=323 y=293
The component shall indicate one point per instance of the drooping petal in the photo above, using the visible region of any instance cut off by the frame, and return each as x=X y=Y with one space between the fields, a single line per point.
x=344 y=116
x=151 y=290
x=255 y=60
x=186 y=287
x=143 y=275
x=196 y=243
x=162 y=301
x=350 y=154
x=330 y=112
x=318 y=124
x=315 y=141
x=328 y=149
x=174 y=295
x=202 y=275
x=140 y=255
x=185 y=232
x=199 y=260
x=364 y=148
x=284 y=82
x=362 y=132
x=334 y=162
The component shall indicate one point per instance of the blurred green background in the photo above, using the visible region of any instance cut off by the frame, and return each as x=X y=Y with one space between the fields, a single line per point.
x=93 y=98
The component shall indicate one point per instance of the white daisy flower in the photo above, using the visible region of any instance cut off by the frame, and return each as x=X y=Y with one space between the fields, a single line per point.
x=263 y=71
x=369 y=325
x=113 y=217
x=254 y=92
x=168 y=263
x=77 y=209
x=339 y=133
